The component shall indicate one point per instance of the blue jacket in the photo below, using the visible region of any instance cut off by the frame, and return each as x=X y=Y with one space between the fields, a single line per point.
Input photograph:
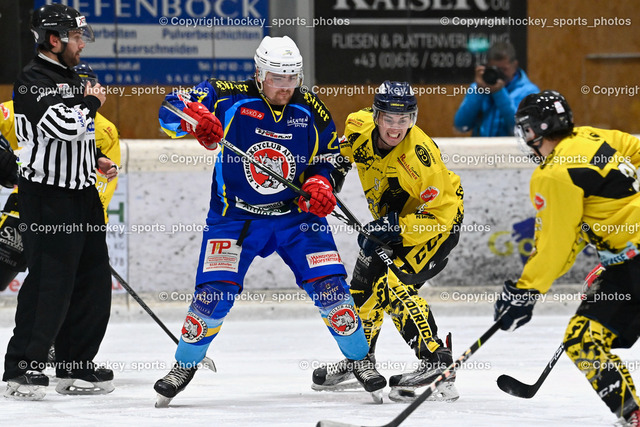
x=296 y=142
x=493 y=114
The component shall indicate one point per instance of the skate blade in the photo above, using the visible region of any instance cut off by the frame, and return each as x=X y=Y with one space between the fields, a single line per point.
x=208 y=363
x=376 y=396
x=24 y=392
x=351 y=385
x=446 y=392
x=69 y=387
x=162 y=401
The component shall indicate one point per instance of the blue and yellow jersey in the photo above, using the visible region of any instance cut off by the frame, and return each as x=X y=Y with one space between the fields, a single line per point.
x=296 y=141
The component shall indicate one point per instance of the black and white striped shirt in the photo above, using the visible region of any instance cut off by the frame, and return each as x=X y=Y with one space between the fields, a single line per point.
x=54 y=125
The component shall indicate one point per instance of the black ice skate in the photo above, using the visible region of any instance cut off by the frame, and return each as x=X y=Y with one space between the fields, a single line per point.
x=172 y=384
x=28 y=386
x=403 y=386
x=365 y=372
x=97 y=381
x=335 y=377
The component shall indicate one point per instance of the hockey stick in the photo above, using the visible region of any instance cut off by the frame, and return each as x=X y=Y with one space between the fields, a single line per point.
x=206 y=361
x=516 y=388
x=429 y=391
x=383 y=250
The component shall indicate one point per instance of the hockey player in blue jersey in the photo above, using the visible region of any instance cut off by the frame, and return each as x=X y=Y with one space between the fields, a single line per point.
x=251 y=214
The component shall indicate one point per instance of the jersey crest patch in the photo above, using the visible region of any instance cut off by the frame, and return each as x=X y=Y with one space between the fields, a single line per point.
x=252 y=113
x=221 y=255
x=276 y=157
x=318 y=259
x=539 y=202
x=423 y=155
x=194 y=328
x=273 y=135
x=429 y=194
x=343 y=320
x=5 y=112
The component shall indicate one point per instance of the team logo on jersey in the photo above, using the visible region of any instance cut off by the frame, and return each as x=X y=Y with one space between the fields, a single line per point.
x=65 y=90
x=539 y=202
x=406 y=166
x=354 y=122
x=6 y=113
x=318 y=259
x=343 y=320
x=276 y=157
x=221 y=255
x=252 y=113
x=194 y=328
x=429 y=194
x=423 y=155
x=274 y=135
x=301 y=122
x=422 y=211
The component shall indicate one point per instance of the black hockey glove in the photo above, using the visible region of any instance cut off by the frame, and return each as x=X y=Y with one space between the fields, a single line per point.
x=386 y=229
x=8 y=169
x=515 y=305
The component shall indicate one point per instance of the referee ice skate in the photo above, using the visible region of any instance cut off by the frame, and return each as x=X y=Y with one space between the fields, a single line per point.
x=66 y=296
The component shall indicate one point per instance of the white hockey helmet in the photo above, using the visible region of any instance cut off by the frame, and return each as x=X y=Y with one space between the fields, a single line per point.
x=278 y=55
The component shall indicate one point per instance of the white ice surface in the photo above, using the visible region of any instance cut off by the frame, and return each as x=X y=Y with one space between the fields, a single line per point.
x=265 y=356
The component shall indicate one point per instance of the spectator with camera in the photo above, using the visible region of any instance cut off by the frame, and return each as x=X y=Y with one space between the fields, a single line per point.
x=489 y=106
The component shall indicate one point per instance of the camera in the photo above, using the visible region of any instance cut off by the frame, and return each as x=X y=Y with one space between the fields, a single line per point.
x=492 y=74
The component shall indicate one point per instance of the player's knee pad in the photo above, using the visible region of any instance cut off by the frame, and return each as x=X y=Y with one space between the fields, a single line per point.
x=366 y=272
x=588 y=344
x=331 y=295
x=210 y=305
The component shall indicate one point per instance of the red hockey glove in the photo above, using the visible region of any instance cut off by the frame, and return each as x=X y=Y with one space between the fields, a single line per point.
x=322 y=199
x=209 y=130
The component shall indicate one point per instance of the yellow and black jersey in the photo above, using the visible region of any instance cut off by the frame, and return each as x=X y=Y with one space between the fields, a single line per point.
x=411 y=179
x=107 y=141
x=6 y=124
x=585 y=190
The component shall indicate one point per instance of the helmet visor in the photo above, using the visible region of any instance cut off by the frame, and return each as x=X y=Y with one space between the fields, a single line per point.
x=283 y=81
x=395 y=119
x=85 y=32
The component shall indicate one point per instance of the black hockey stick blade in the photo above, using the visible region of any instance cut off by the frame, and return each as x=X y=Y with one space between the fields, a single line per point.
x=431 y=388
x=517 y=388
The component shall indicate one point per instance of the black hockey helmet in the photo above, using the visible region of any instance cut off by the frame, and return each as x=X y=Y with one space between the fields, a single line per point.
x=395 y=98
x=86 y=73
x=546 y=114
x=58 y=19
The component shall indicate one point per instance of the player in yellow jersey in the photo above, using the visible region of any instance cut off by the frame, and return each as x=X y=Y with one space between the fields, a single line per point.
x=417 y=205
x=107 y=141
x=584 y=190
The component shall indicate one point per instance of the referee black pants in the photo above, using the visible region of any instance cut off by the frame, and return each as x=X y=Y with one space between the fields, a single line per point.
x=66 y=296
